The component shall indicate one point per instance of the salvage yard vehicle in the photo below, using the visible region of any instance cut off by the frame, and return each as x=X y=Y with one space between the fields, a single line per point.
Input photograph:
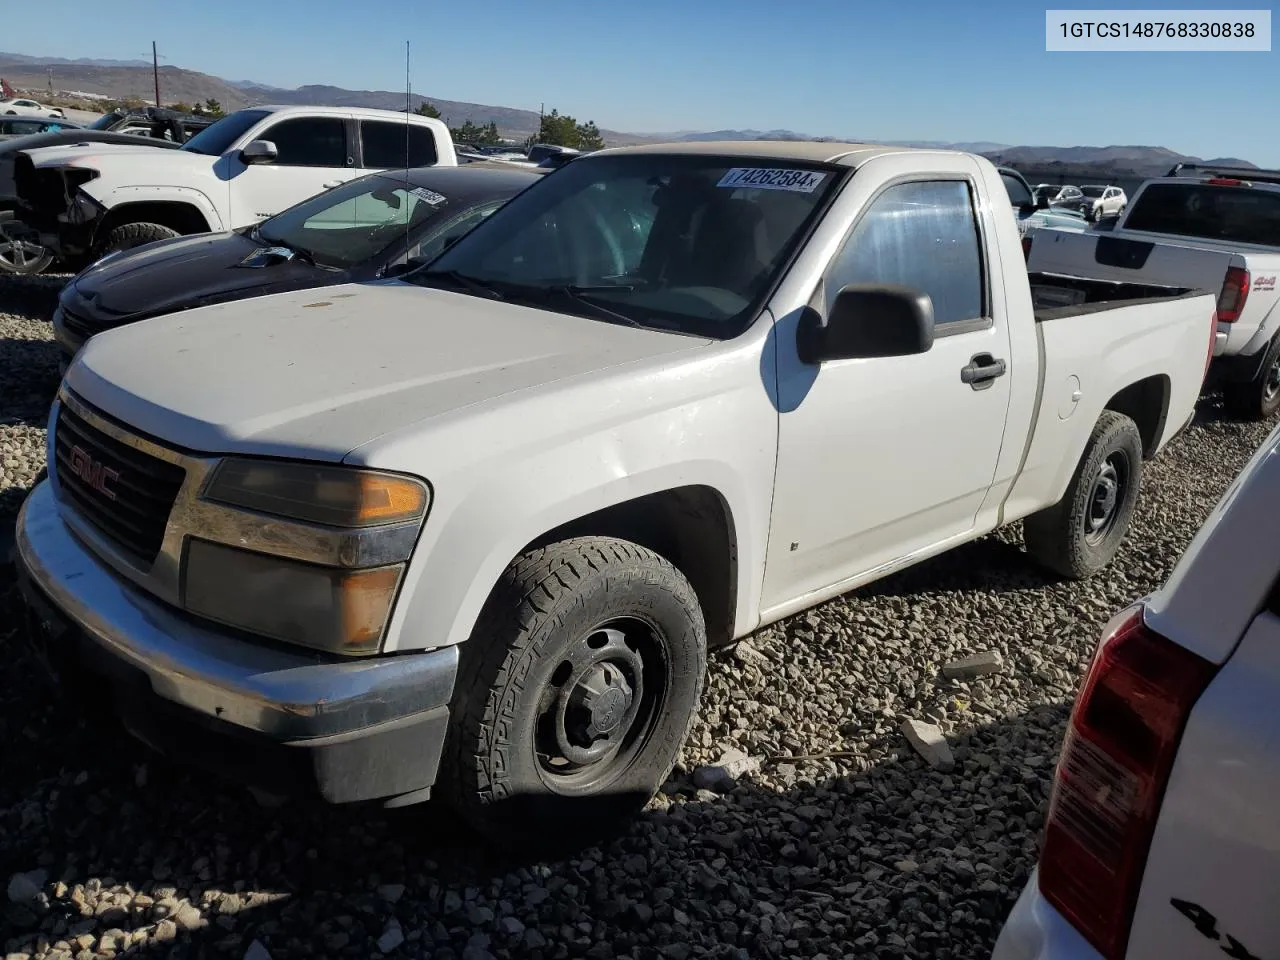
x=1213 y=228
x=1032 y=211
x=250 y=165
x=1161 y=838
x=22 y=107
x=472 y=531
x=378 y=225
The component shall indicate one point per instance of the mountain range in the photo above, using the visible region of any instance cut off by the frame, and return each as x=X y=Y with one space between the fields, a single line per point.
x=133 y=78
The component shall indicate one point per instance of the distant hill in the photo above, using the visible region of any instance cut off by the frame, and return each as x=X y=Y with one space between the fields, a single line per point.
x=133 y=78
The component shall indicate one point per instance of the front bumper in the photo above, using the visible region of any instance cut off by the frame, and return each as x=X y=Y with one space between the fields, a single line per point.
x=282 y=720
x=1036 y=931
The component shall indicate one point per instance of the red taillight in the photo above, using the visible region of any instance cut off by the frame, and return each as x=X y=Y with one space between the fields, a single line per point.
x=1235 y=291
x=1107 y=790
x=1026 y=247
x=1227 y=182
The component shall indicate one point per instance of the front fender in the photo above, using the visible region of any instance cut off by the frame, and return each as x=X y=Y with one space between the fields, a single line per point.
x=503 y=478
x=115 y=197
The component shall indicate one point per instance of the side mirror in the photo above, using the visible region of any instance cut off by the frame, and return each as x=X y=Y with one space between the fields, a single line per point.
x=868 y=320
x=259 y=151
x=1042 y=202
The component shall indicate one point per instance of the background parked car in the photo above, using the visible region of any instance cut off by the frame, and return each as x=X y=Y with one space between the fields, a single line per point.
x=374 y=226
x=11 y=127
x=1161 y=838
x=1033 y=212
x=1058 y=194
x=21 y=107
x=1101 y=201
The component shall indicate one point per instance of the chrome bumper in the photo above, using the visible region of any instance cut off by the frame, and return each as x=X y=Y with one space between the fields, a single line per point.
x=291 y=697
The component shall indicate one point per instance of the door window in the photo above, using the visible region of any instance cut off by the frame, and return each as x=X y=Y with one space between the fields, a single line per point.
x=309 y=141
x=922 y=235
x=387 y=145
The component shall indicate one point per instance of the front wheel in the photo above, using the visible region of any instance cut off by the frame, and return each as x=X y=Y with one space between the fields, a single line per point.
x=19 y=253
x=130 y=235
x=1259 y=398
x=576 y=692
x=1080 y=534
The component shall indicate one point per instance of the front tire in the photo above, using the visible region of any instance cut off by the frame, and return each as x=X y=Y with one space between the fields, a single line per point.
x=1259 y=398
x=576 y=692
x=1080 y=534
x=130 y=235
x=18 y=253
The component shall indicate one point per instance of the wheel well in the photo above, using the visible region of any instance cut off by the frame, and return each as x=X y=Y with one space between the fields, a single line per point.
x=1146 y=403
x=174 y=214
x=689 y=526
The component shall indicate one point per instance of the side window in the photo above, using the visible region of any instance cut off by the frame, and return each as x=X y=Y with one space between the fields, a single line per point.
x=384 y=145
x=309 y=141
x=922 y=235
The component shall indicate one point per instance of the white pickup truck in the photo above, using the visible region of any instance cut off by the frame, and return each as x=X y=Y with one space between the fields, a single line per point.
x=87 y=201
x=473 y=531
x=1161 y=838
x=1216 y=229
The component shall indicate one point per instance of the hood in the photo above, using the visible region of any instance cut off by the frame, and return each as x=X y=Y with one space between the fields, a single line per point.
x=88 y=155
x=182 y=273
x=316 y=374
x=70 y=138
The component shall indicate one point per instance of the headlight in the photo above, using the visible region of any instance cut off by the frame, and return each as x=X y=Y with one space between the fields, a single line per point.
x=315 y=493
x=342 y=611
x=338 y=598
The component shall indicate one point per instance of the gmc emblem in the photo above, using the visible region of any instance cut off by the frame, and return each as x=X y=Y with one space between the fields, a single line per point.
x=93 y=472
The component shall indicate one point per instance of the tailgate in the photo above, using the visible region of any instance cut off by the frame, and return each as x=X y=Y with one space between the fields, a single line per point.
x=1211 y=887
x=1121 y=259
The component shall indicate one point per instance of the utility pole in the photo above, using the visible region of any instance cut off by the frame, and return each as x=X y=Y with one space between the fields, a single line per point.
x=155 y=71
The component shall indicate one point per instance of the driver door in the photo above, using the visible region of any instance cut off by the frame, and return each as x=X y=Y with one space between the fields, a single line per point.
x=313 y=154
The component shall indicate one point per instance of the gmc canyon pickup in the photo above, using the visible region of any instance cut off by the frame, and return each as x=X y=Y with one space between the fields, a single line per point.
x=89 y=201
x=1216 y=229
x=471 y=531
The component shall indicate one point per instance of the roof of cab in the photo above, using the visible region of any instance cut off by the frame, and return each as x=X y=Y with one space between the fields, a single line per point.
x=823 y=151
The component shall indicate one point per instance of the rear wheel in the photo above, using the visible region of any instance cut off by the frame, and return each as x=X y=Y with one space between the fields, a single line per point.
x=1259 y=398
x=130 y=235
x=577 y=690
x=1080 y=534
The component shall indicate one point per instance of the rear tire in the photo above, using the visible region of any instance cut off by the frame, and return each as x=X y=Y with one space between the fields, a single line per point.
x=131 y=235
x=1259 y=398
x=576 y=692
x=1080 y=534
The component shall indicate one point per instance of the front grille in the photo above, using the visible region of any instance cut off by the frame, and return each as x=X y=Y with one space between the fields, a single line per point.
x=124 y=493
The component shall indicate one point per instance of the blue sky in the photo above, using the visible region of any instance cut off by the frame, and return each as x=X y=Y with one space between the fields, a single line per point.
x=894 y=70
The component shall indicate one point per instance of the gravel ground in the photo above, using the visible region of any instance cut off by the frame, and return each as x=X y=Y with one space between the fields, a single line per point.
x=845 y=843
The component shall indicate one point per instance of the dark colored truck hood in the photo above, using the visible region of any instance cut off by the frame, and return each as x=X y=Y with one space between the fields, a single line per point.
x=178 y=274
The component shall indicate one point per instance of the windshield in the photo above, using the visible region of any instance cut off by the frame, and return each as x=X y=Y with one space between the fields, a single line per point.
x=677 y=242
x=353 y=223
x=1019 y=195
x=214 y=139
x=1236 y=214
x=1092 y=191
x=104 y=122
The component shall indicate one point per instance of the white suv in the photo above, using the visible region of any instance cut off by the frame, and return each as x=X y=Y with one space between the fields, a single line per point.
x=1099 y=201
x=1162 y=838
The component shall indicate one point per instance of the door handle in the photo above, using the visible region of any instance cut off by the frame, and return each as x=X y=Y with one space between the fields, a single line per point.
x=981 y=371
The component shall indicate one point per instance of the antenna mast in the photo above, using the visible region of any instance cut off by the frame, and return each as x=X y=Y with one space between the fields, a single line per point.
x=407 y=125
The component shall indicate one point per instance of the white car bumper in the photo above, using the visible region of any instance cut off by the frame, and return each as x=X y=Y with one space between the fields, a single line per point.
x=1036 y=931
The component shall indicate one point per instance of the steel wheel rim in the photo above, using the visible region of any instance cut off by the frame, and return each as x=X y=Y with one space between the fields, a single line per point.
x=599 y=704
x=1106 y=496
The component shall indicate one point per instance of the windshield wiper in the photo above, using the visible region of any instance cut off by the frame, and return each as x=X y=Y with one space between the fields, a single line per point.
x=580 y=293
x=470 y=284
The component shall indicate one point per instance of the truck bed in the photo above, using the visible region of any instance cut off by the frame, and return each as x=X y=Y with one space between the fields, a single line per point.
x=1060 y=295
